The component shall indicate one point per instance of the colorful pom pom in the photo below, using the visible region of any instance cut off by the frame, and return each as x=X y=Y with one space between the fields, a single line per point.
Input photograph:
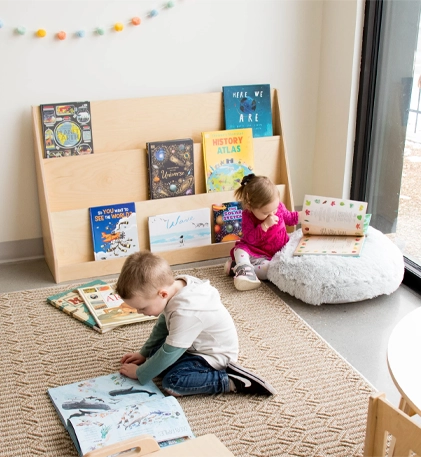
x=61 y=35
x=80 y=33
x=169 y=5
x=118 y=27
x=1 y=23
x=21 y=30
x=153 y=13
x=136 y=20
x=100 y=31
x=41 y=33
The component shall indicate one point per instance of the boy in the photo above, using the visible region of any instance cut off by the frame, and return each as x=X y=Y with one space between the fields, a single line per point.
x=194 y=343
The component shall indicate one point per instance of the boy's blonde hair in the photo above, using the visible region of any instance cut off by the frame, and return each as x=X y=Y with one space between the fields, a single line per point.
x=143 y=273
x=256 y=192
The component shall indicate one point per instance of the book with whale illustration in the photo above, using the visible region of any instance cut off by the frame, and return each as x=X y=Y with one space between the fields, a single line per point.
x=108 y=409
x=332 y=226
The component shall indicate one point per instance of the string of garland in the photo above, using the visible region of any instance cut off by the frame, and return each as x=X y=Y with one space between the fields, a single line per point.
x=117 y=27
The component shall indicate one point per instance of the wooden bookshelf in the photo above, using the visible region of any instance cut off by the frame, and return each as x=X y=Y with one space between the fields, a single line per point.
x=117 y=173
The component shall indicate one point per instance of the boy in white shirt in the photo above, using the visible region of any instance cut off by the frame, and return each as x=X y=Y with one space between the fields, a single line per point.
x=194 y=343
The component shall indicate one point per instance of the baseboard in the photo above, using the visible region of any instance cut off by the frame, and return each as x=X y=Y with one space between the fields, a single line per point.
x=13 y=251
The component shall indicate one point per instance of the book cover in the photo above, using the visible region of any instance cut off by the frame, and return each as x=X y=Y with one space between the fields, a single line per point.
x=114 y=230
x=248 y=107
x=108 y=409
x=228 y=156
x=178 y=230
x=171 y=168
x=71 y=303
x=227 y=219
x=108 y=309
x=332 y=226
x=67 y=129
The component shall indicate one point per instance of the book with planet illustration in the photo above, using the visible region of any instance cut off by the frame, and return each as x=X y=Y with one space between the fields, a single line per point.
x=66 y=129
x=108 y=409
x=227 y=219
x=171 y=168
x=228 y=156
x=248 y=106
x=332 y=226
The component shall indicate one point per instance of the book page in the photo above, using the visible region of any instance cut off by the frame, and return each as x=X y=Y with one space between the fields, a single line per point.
x=330 y=245
x=163 y=418
x=332 y=216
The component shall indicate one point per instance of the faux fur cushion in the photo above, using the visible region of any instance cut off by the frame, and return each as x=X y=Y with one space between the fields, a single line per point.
x=317 y=279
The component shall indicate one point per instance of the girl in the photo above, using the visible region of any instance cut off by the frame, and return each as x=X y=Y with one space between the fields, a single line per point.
x=264 y=233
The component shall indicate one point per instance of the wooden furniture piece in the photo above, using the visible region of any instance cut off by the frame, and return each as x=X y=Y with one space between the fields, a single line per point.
x=117 y=173
x=404 y=361
x=383 y=419
x=145 y=445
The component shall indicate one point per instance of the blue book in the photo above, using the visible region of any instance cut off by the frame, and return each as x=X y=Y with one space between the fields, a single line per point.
x=248 y=107
x=114 y=230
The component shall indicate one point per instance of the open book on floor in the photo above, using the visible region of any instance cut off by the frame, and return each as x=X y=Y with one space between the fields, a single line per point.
x=332 y=226
x=108 y=409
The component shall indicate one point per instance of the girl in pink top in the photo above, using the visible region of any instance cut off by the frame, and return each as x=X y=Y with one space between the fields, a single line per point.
x=264 y=232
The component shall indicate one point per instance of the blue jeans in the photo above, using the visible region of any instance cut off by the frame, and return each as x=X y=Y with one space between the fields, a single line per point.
x=191 y=375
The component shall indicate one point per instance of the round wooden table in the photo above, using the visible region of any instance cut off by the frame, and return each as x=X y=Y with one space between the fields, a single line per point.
x=404 y=361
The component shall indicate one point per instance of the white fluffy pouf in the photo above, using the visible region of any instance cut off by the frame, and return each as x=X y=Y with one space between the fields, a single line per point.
x=317 y=279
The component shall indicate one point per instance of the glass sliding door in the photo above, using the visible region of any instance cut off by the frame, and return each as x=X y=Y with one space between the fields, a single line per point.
x=387 y=156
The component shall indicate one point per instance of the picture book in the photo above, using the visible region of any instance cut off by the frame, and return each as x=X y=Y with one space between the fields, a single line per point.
x=332 y=226
x=71 y=303
x=248 y=106
x=109 y=409
x=171 y=168
x=114 y=230
x=182 y=229
x=67 y=129
x=108 y=309
x=227 y=219
x=228 y=156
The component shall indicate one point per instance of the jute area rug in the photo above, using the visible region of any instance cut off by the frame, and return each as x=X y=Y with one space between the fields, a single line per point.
x=320 y=408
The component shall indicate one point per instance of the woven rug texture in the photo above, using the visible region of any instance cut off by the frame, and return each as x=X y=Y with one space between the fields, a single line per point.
x=320 y=408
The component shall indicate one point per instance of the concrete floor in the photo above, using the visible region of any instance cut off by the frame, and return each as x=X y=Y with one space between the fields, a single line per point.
x=359 y=331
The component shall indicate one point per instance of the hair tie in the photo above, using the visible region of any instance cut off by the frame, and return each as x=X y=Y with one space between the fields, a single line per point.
x=246 y=179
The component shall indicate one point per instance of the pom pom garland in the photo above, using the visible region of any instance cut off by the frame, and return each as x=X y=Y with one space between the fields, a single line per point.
x=118 y=27
x=61 y=35
x=41 y=33
x=21 y=30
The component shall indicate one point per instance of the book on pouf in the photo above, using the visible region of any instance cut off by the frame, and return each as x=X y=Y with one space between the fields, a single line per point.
x=248 y=106
x=171 y=168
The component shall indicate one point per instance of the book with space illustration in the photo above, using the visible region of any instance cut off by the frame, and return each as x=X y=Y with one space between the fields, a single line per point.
x=179 y=230
x=114 y=230
x=227 y=221
x=332 y=226
x=228 y=156
x=108 y=409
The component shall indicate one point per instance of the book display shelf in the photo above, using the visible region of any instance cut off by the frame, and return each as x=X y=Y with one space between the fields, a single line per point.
x=118 y=172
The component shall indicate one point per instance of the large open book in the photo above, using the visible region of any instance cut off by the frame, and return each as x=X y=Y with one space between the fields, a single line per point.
x=332 y=226
x=109 y=409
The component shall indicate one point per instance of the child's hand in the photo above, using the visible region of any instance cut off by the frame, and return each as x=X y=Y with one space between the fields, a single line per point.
x=271 y=220
x=133 y=357
x=129 y=370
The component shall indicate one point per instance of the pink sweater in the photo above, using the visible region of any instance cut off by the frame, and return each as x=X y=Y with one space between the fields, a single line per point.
x=259 y=243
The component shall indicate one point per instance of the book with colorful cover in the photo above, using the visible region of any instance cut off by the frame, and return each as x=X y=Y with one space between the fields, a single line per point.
x=67 y=129
x=179 y=230
x=114 y=230
x=333 y=226
x=228 y=156
x=108 y=409
x=171 y=168
x=248 y=106
x=107 y=307
x=227 y=218
x=71 y=303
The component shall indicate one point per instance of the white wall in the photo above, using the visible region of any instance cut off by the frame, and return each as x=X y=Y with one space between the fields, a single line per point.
x=300 y=47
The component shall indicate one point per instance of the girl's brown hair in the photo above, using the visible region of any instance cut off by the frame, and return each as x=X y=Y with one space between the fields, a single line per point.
x=256 y=191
